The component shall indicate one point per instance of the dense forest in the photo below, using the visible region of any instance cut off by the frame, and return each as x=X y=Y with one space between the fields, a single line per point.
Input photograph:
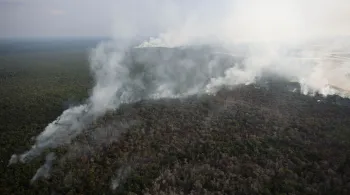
x=251 y=139
x=35 y=88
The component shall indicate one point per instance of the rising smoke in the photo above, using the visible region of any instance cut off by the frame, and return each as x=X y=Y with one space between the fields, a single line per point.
x=198 y=50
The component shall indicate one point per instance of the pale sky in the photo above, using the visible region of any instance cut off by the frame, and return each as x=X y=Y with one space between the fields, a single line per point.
x=178 y=20
x=56 y=18
x=47 y=18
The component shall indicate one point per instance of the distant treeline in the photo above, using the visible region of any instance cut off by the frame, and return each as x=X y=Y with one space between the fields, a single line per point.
x=28 y=45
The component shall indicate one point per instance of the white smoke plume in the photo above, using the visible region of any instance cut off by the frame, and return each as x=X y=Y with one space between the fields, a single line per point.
x=44 y=170
x=303 y=41
x=307 y=41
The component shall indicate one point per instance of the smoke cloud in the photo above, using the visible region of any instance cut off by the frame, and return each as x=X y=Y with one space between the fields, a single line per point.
x=200 y=47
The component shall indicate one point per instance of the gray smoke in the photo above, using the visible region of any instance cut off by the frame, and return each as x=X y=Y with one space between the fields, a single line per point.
x=44 y=170
x=197 y=52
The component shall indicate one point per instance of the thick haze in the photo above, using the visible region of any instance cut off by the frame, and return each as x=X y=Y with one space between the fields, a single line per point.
x=238 y=20
x=66 y=18
x=55 y=18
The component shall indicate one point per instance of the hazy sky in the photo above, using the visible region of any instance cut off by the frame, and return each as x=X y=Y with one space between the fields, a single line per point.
x=176 y=19
x=47 y=18
x=42 y=18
